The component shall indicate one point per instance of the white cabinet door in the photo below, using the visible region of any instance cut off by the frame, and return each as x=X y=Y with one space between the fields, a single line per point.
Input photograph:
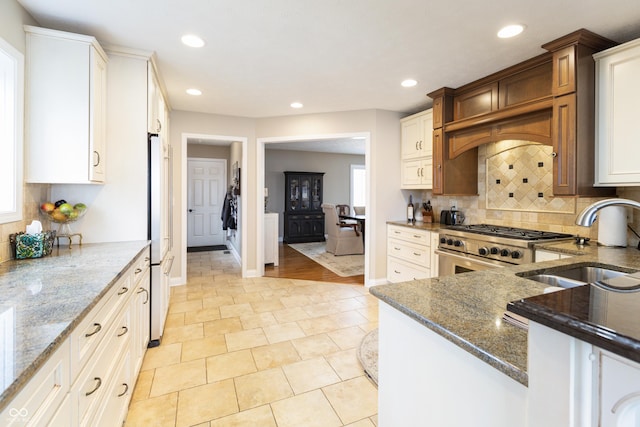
x=619 y=391
x=617 y=113
x=417 y=151
x=66 y=108
x=271 y=238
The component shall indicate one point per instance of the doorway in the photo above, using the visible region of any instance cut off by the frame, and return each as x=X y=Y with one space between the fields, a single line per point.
x=206 y=183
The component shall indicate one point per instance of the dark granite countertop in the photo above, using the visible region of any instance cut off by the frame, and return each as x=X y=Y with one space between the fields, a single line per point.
x=467 y=308
x=42 y=300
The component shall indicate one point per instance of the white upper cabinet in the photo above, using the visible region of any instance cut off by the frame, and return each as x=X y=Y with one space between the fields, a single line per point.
x=155 y=104
x=66 y=108
x=617 y=115
x=417 y=150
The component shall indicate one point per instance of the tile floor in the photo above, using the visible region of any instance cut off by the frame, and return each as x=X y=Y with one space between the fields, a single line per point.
x=257 y=352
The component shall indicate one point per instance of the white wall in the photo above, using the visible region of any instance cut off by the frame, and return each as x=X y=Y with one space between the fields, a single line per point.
x=336 y=182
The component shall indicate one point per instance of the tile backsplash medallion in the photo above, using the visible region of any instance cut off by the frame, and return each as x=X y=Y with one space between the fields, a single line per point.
x=34 y=194
x=526 y=208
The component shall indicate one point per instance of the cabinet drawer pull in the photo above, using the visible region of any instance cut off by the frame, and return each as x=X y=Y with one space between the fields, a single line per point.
x=421 y=144
x=126 y=389
x=418 y=172
x=97 y=158
x=98 y=384
x=138 y=270
x=396 y=248
x=123 y=290
x=396 y=231
x=124 y=331
x=98 y=326
x=159 y=125
x=417 y=236
x=141 y=290
x=417 y=253
x=396 y=271
x=416 y=145
x=624 y=401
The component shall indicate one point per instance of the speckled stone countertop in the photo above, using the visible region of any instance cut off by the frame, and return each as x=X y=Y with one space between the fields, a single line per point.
x=467 y=308
x=429 y=226
x=42 y=300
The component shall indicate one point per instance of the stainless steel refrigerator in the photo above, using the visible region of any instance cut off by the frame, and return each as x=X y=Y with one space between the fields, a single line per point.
x=159 y=233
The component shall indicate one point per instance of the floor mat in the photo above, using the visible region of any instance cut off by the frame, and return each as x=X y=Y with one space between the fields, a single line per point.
x=207 y=248
x=368 y=355
x=342 y=265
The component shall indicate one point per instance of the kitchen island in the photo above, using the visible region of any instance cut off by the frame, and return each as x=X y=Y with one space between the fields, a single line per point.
x=460 y=363
x=42 y=302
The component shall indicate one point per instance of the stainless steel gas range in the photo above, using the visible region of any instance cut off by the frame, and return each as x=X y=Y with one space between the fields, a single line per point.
x=464 y=248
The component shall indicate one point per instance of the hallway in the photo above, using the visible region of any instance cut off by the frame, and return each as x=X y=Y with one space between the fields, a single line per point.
x=257 y=352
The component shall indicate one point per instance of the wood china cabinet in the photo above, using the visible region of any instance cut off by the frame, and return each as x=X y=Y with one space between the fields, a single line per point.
x=303 y=216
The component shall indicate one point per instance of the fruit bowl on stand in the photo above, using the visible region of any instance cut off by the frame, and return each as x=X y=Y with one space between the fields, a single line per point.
x=64 y=214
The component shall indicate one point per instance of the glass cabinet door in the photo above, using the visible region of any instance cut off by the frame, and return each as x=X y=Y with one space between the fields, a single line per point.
x=305 y=187
x=316 y=192
x=294 y=196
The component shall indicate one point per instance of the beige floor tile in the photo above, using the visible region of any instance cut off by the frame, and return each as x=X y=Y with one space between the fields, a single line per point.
x=369 y=313
x=156 y=411
x=235 y=310
x=204 y=347
x=222 y=326
x=309 y=410
x=163 y=355
x=184 y=306
x=362 y=423
x=314 y=346
x=346 y=364
x=374 y=419
x=321 y=309
x=174 y=320
x=354 y=399
x=295 y=301
x=217 y=301
x=256 y=417
x=245 y=339
x=203 y=315
x=143 y=385
x=206 y=402
x=229 y=365
x=248 y=297
x=183 y=333
x=268 y=305
x=262 y=387
x=290 y=315
x=283 y=332
x=348 y=337
x=178 y=377
x=260 y=320
x=318 y=325
x=310 y=374
x=274 y=355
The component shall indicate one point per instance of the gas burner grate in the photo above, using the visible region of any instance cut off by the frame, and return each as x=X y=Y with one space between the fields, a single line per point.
x=509 y=232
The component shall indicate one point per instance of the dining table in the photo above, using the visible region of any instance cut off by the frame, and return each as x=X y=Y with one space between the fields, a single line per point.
x=359 y=218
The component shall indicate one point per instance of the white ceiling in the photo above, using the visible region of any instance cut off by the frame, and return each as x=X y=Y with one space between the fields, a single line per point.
x=331 y=55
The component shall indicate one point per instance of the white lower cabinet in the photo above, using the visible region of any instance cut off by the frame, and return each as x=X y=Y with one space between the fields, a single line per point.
x=89 y=379
x=619 y=394
x=542 y=255
x=409 y=254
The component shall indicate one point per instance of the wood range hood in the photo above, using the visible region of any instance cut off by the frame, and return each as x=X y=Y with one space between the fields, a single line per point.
x=549 y=99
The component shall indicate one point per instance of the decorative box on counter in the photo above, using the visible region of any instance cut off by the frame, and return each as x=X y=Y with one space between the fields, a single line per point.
x=32 y=245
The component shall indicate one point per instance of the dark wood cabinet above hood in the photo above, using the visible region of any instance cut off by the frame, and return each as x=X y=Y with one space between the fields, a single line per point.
x=549 y=99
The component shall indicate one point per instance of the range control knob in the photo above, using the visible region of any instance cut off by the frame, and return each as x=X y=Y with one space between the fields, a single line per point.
x=516 y=254
x=449 y=241
x=457 y=243
x=483 y=251
x=443 y=240
x=494 y=250
x=505 y=252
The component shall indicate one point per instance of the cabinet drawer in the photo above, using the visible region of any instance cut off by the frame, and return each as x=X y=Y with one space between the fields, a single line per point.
x=39 y=400
x=140 y=266
x=113 y=409
x=90 y=388
x=418 y=254
x=402 y=271
x=407 y=234
x=86 y=337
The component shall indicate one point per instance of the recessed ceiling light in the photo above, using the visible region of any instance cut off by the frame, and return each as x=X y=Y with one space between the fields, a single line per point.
x=192 y=40
x=194 y=92
x=510 y=31
x=409 y=83
x=296 y=105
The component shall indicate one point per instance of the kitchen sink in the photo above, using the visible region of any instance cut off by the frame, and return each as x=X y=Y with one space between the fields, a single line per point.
x=572 y=275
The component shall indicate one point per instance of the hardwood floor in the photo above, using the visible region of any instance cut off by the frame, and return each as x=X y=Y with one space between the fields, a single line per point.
x=294 y=265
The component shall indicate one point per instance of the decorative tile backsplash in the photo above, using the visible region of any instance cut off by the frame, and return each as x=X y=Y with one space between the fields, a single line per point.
x=519 y=176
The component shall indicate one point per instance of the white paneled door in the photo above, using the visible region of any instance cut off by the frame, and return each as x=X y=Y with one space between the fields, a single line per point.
x=207 y=182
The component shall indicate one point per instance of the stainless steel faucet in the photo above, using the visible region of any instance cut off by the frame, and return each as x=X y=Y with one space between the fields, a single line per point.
x=588 y=215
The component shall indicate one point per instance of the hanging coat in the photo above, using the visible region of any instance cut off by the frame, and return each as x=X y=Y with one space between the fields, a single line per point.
x=228 y=215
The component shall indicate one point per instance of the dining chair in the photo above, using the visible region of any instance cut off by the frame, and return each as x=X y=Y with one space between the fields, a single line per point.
x=359 y=210
x=341 y=239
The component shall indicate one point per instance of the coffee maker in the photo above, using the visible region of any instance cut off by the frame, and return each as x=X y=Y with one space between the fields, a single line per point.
x=451 y=217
